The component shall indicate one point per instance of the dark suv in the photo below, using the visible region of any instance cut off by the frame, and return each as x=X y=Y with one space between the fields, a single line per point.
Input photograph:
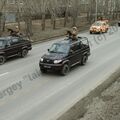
x=13 y=46
x=65 y=54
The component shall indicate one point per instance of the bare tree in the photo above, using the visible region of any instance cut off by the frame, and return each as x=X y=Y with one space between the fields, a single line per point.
x=53 y=9
x=67 y=5
x=39 y=9
x=18 y=12
x=2 y=5
x=27 y=16
x=43 y=7
x=75 y=5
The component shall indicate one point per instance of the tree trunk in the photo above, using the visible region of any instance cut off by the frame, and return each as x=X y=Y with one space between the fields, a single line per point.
x=3 y=23
x=54 y=22
x=43 y=22
x=74 y=20
x=18 y=13
x=66 y=17
x=51 y=19
x=74 y=17
x=0 y=24
x=18 y=19
x=75 y=12
x=28 y=26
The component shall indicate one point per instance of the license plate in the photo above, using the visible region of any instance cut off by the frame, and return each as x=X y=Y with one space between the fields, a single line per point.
x=46 y=66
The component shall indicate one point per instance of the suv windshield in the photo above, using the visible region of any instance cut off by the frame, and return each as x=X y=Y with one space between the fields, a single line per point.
x=1 y=44
x=59 y=48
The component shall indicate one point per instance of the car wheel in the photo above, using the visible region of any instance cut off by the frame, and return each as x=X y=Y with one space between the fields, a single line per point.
x=106 y=30
x=2 y=60
x=119 y=24
x=90 y=32
x=84 y=60
x=43 y=70
x=65 y=69
x=24 y=53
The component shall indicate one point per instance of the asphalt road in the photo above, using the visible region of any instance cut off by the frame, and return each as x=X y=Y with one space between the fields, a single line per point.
x=26 y=94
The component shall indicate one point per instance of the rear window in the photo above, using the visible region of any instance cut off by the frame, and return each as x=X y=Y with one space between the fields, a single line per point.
x=15 y=40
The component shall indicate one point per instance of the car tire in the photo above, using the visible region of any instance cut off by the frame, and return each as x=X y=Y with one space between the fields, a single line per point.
x=65 y=69
x=106 y=30
x=101 y=32
x=84 y=59
x=90 y=32
x=2 y=59
x=24 y=53
x=119 y=24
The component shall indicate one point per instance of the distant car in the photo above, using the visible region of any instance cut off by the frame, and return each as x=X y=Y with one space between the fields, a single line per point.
x=99 y=27
x=13 y=46
x=118 y=23
x=65 y=54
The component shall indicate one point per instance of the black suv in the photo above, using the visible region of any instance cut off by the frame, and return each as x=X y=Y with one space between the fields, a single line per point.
x=65 y=54
x=13 y=46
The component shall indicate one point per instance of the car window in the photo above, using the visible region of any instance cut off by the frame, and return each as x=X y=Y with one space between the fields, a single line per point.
x=2 y=44
x=8 y=43
x=21 y=40
x=15 y=41
x=76 y=46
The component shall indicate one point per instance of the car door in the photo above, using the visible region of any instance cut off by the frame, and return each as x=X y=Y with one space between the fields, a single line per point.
x=74 y=55
x=12 y=47
x=16 y=45
x=9 y=50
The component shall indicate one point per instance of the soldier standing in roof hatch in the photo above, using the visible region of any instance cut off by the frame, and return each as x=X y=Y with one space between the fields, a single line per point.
x=74 y=33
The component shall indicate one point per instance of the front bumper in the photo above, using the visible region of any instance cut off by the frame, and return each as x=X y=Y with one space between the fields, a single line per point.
x=94 y=30
x=51 y=67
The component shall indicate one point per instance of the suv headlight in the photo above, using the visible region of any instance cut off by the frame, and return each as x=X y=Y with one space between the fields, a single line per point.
x=41 y=60
x=57 y=61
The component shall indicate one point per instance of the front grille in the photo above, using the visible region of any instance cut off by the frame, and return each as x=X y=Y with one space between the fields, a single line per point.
x=48 y=61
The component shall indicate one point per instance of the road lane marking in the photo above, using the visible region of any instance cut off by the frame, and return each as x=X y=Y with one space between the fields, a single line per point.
x=4 y=74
